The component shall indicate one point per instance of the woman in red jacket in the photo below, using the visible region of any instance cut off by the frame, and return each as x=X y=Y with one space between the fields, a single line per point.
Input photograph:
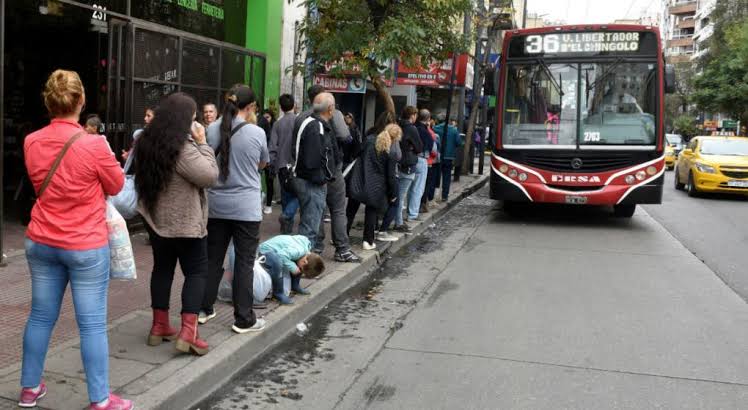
x=67 y=240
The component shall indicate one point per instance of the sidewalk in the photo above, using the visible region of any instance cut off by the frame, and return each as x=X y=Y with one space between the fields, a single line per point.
x=155 y=376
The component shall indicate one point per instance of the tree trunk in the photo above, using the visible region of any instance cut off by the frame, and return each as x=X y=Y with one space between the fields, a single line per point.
x=477 y=93
x=384 y=95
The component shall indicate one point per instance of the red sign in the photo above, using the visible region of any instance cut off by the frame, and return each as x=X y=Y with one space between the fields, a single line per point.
x=433 y=75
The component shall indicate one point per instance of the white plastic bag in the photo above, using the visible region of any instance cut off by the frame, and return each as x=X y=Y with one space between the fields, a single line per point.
x=262 y=285
x=126 y=202
x=122 y=261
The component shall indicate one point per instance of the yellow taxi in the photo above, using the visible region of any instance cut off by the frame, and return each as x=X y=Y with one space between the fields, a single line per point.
x=673 y=146
x=713 y=164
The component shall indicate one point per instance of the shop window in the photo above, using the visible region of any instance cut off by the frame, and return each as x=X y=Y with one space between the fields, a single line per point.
x=156 y=56
x=235 y=68
x=200 y=64
x=258 y=78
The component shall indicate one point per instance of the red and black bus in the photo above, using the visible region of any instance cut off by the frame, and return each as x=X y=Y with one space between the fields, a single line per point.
x=580 y=117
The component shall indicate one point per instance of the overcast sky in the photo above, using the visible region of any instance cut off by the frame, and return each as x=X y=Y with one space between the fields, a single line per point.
x=592 y=11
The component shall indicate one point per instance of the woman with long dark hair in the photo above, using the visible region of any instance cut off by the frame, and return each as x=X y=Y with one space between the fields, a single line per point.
x=236 y=204
x=173 y=166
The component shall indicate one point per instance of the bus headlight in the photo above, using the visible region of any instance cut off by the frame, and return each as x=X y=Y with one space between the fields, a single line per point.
x=651 y=170
x=513 y=173
x=641 y=175
x=503 y=169
x=522 y=177
x=630 y=179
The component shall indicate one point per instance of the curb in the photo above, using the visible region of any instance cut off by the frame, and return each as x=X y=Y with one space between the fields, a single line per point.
x=195 y=382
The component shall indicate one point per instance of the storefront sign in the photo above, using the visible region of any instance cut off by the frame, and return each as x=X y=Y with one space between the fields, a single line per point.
x=218 y=19
x=729 y=124
x=710 y=124
x=354 y=85
x=433 y=75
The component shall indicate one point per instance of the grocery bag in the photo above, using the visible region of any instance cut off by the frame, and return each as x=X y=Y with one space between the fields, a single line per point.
x=122 y=261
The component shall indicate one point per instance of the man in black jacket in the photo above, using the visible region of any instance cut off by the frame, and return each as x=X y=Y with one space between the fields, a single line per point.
x=410 y=168
x=315 y=164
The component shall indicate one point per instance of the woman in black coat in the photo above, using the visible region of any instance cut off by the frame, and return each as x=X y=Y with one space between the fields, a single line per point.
x=374 y=181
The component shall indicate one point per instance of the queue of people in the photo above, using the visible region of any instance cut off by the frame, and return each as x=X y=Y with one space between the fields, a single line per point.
x=199 y=187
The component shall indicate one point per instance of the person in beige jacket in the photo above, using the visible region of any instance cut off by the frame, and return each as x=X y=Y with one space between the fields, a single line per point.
x=173 y=167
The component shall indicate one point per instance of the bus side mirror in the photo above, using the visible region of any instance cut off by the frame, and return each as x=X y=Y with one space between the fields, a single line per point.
x=669 y=79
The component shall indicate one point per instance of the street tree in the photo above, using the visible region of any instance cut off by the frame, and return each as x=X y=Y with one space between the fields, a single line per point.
x=723 y=84
x=685 y=125
x=364 y=37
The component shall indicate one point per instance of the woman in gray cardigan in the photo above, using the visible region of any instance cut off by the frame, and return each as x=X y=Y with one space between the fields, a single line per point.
x=173 y=167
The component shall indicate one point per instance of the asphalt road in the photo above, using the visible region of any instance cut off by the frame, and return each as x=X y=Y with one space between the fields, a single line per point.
x=713 y=227
x=558 y=308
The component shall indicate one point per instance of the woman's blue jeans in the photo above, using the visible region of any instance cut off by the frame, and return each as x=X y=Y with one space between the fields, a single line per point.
x=88 y=274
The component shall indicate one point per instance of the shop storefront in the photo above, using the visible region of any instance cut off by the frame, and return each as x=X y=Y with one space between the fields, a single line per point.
x=129 y=55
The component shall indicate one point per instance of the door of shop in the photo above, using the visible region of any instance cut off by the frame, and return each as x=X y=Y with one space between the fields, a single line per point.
x=118 y=77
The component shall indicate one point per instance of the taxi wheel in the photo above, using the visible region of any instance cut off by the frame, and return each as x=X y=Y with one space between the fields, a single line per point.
x=624 y=211
x=691 y=186
x=678 y=185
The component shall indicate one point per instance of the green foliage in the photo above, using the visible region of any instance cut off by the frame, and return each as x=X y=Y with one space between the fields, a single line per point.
x=685 y=125
x=366 y=34
x=723 y=84
x=726 y=14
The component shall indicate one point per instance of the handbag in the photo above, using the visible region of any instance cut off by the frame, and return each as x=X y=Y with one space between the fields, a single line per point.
x=126 y=201
x=121 y=258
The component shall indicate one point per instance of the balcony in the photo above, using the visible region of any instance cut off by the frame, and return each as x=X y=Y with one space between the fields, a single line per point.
x=679 y=58
x=680 y=42
x=683 y=7
x=686 y=23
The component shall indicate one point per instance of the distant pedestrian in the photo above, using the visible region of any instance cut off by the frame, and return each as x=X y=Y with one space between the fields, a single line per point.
x=353 y=149
x=336 y=191
x=432 y=180
x=210 y=114
x=266 y=122
x=290 y=254
x=374 y=183
x=449 y=153
x=314 y=164
x=67 y=240
x=236 y=205
x=281 y=157
x=147 y=118
x=173 y=168
x=412 y=170
x=422 y=125
x=93 y=124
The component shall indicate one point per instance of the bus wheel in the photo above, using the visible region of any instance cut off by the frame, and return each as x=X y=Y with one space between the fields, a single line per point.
x=624 y=211
x=691 y=186
x=678 y=185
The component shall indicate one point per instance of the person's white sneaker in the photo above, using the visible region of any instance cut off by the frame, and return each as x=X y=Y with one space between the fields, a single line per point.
x=267 y=210
x=369 y=246
x=258 y=326
x=203 y=317
x=386 y=237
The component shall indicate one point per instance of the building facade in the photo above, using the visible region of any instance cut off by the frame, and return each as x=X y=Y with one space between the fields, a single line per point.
x=704 y=27
x=129 y=54
x=677 y=28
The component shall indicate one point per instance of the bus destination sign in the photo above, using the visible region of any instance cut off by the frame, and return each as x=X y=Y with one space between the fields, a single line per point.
x=567 y=43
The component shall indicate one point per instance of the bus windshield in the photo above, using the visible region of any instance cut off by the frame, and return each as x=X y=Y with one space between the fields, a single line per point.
x=580 y=104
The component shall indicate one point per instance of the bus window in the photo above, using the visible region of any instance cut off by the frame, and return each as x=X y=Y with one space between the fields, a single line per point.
x=618 y=104
x=541 y=105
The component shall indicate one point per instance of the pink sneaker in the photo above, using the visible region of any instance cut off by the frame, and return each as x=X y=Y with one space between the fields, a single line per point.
x=114 y=403
x=29 y=397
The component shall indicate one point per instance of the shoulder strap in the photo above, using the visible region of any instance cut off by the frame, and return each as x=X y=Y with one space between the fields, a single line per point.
x=237 y=128
x=57 y=162
x=298 y=139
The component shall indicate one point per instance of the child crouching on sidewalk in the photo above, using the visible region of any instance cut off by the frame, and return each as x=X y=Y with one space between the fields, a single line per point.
x=292 y=254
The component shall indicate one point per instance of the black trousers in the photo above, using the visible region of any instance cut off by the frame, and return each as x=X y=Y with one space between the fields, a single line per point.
x=270 y=185
x=192 y=254
x=246 y=236
x=370 y=218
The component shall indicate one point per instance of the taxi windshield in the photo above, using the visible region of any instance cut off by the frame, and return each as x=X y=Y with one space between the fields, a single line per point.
x=725 y=147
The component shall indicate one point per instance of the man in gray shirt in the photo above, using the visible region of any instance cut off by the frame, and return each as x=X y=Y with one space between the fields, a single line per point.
x=281 y=156
x=336 y=193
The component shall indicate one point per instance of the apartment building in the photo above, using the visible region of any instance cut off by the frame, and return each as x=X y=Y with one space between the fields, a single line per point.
x=678 y=27
x=704 y=27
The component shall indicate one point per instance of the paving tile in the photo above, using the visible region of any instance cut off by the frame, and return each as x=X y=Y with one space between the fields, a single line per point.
x=121 y=371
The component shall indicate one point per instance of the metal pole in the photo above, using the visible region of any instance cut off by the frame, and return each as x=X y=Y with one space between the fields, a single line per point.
x=2 y=128
x=524 y=15
x=449 y=104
